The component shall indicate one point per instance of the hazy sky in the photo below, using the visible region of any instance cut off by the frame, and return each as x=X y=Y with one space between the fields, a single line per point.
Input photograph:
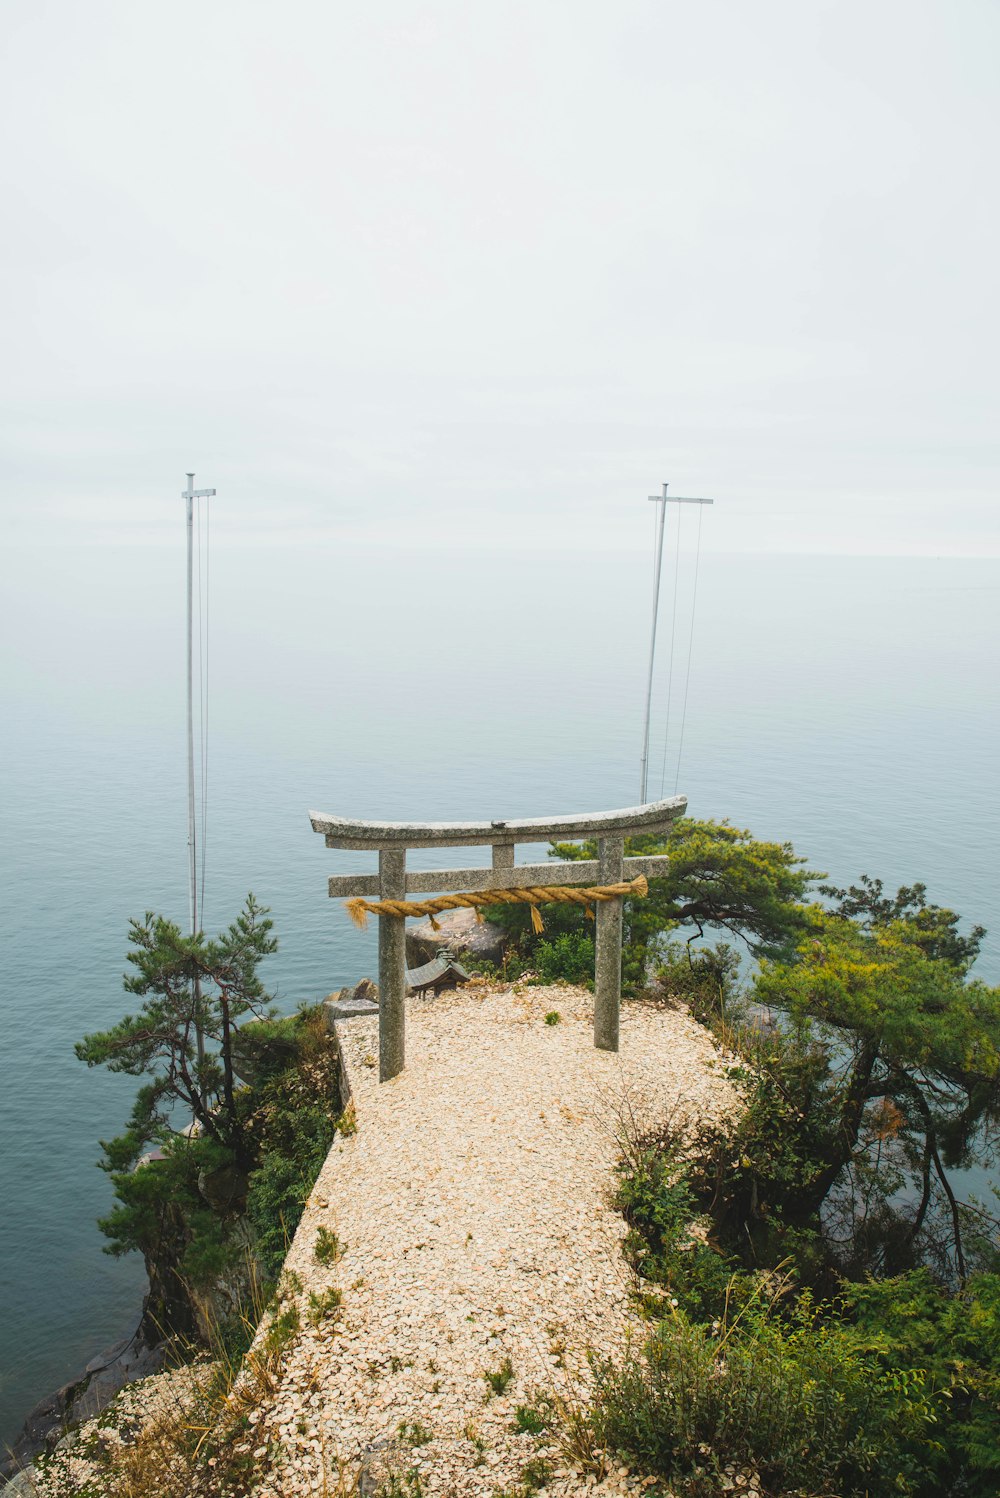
x=491 y=271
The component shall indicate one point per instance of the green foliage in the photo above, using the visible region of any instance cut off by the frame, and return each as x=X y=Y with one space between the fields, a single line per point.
x=568 y=958
x=256 y=1148
x=262 y=1052
x=535 y=1474
x=913 y=1321
x=535 y=1418
x=667 y=1242
x=160 y=1210
x=935 y=1348
x=500 y=1379
x=282 y=1181
x=553 y=1017
x=327 y=1249
x=880 y=1077
x=189 y=985
x=932 y=927
x=282 y=1330
x=724 y=879
x=720 y=878
x=794 y=1396
x=292 y=1128
x=414 y=1433
x=882 y=984
x=912 y=1077
x=324 y=1305
x=186 y=1212
x=704 y=978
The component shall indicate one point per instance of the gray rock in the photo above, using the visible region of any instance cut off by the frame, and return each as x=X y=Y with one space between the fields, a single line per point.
x=224 y=1189
x=458 y=932
x=380 y=1463
x=48 y=1423
x=349 y=1002
x=22 y=1484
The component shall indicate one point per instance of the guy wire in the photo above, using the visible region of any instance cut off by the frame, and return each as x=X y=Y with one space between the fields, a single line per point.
x=673 y=636
x=687 y=674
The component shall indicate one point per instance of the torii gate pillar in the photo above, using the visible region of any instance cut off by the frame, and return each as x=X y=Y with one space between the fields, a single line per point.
x=391 y=966
x=608 y=946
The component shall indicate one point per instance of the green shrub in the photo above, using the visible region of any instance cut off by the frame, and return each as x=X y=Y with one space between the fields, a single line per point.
x=414 y=1433
x=798 y=1400
x=569 y=957
x=284 y=1328
x=327 y=1249
x=749 y=1176
x=915 y=1321
x=327 y=1303
x=186 y=1211
x=533 y=1419
x=282 y=1181
x=500 y=1379
x=705 y=978
x=535 y=1474
x=665 y=1242
x=924 y=1355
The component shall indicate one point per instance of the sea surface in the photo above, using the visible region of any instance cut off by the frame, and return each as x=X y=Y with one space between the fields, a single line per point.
x=849 y=705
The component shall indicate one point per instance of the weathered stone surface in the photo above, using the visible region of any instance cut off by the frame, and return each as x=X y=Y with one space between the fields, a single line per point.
x=80 y=1399
x=391 y=966
x=346 y=1003
x=22 y=1485
x=224 y=1189
x=608 y=963
x=459 y=932
x=653 y=816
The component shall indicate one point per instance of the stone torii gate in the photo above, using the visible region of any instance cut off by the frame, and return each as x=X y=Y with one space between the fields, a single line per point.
x=394 y=882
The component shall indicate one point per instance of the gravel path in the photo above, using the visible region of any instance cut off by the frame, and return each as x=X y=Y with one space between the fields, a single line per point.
x=472 y=1209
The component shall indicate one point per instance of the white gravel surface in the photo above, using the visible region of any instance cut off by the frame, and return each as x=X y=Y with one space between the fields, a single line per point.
x=472 y=1203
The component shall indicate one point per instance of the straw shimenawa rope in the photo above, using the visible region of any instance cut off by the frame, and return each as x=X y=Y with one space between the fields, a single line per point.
x=549 y=894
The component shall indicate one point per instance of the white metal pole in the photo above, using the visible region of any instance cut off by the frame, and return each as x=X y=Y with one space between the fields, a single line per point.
x=192 y=826
x=190 y=495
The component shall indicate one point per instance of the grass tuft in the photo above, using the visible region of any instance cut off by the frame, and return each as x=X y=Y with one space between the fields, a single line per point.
x=500 y=1379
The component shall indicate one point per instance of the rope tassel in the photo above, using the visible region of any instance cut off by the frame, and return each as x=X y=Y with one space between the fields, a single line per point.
x=549 y=894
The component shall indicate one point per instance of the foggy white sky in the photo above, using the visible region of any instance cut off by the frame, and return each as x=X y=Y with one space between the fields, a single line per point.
x=426 y=269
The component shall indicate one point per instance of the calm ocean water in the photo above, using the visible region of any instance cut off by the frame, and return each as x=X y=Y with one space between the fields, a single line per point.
x=850 y=705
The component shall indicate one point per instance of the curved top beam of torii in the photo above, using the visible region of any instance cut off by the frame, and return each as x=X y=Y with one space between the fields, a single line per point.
x=654 y=816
